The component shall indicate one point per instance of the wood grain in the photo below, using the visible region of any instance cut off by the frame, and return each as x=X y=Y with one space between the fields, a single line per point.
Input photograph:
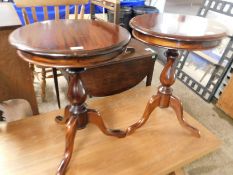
x=73 y=38
x=120 y=73
x=15 y=76
x=29 y=3
x=225 y=102
x=148 y=151
x=178 y=31
x=177 y=172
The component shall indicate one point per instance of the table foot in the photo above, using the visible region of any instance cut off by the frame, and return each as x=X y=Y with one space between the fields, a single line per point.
x=63 y=120
x=176 y=105
x=71 y=125
x=151 y=105
x=94 y=117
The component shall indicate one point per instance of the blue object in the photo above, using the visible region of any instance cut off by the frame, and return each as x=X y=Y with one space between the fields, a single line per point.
x=40 y=13
x=132 y=3
x=51 y=12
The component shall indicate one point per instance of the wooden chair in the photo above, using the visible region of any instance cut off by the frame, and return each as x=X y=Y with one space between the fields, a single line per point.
x=113 y=5
x=45 y=3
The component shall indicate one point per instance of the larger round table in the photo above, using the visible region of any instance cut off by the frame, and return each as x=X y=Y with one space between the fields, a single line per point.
x=174 y=32
x=73 y=45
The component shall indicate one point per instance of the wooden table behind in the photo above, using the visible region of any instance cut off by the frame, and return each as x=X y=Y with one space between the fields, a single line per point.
x=35 y=145
x=225 y=101
x=15 y=75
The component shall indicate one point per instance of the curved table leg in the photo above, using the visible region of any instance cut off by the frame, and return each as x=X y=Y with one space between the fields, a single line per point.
x=62 y=120
x=95 y=118
x=151 y=105
x=178 y=108
x=71 y=125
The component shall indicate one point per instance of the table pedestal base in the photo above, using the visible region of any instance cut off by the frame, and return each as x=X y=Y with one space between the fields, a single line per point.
x=164 y=97
x=77 y=116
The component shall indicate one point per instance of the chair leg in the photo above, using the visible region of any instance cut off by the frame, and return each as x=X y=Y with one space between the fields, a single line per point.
x=43 y=84
x=32 y=68
x=56 y=87
x=150 y=75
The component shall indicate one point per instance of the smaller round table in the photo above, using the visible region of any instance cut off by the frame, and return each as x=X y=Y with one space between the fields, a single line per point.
x=73 y=45
x=174 y=32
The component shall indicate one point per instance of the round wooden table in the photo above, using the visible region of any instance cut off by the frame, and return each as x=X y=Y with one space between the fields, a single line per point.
x=174 y=32
x=73 y=45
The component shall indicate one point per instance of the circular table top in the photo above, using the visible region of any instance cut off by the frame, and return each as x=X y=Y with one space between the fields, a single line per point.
x=70 y=38
x=178 y=31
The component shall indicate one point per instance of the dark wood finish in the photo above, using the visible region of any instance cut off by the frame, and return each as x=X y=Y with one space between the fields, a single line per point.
x=70 y=38
x=175 y=32
x=164 y=97
x=77 y=116
x=71 y=62
x=178 y=31
x=56 y=87
x=78 y=14
x=15 y=76
x=121 y=73
x=96 y=41
x=158 y=148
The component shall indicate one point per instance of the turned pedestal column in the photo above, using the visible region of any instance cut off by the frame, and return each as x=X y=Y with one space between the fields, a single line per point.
x=73 y=45
x=77 y=115
x=174 y=32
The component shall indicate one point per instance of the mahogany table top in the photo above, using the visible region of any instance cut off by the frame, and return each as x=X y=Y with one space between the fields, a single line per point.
x=70 y=38
x=161 y=146
x=178 y=31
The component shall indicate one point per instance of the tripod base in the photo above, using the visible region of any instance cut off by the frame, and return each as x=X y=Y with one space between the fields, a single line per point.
x=164 y=97
x=75 y=122
x=77 y=115
x=155 y=101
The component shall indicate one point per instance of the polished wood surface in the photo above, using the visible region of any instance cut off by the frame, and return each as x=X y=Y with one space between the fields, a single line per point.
x=178 y=31
x=165 y=98
x=77 y=38
x=77 y=115
x=93 y=81
x=148 y=151
x=15 y=76
x=173 y=31
x=84 y=41
x=121 y=73
x=225 y=102
x=71 y=62
x=23 y=4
